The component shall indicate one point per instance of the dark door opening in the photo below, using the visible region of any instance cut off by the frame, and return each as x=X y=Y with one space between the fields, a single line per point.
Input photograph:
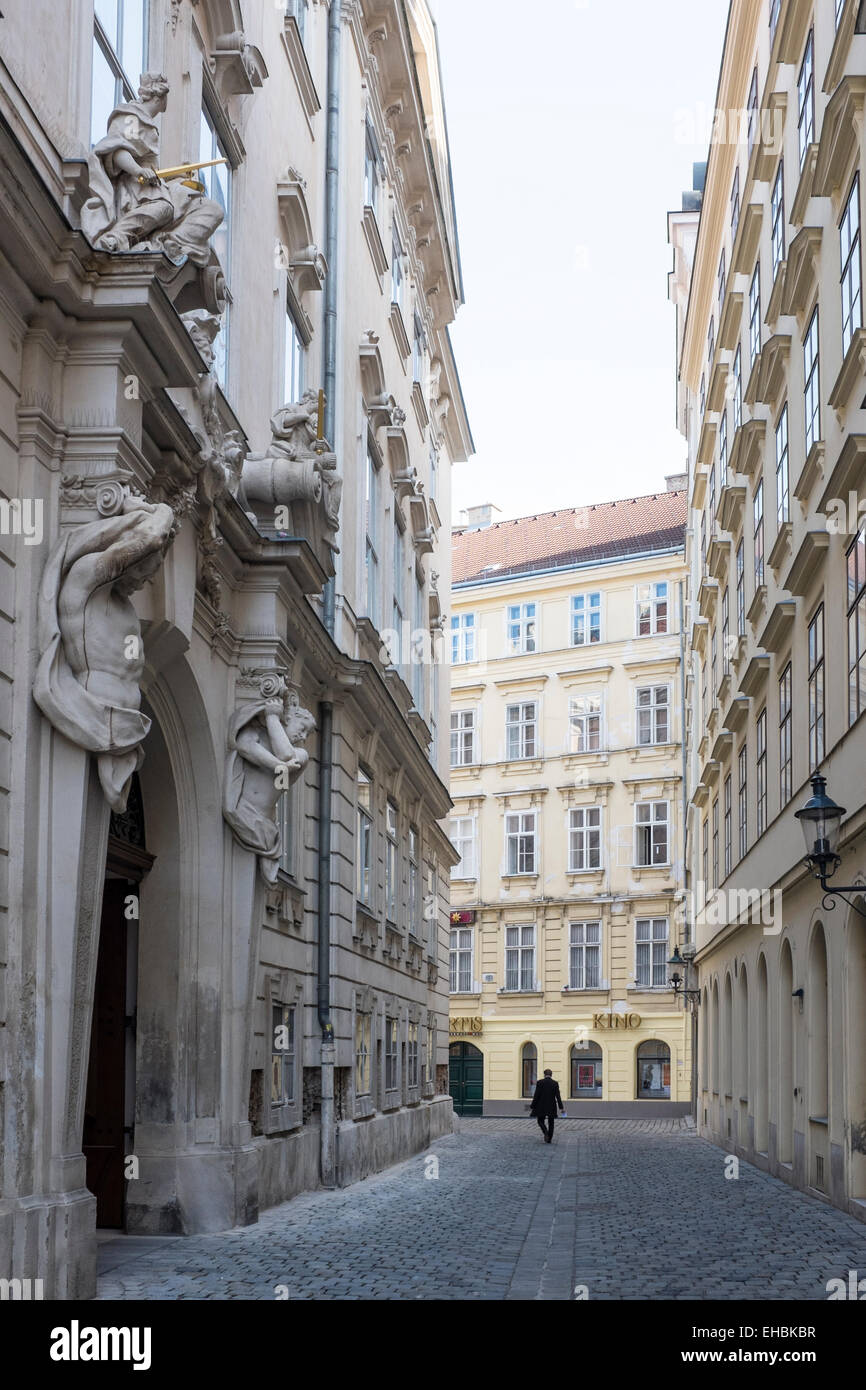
x=104 y=1140
x=466 y=1078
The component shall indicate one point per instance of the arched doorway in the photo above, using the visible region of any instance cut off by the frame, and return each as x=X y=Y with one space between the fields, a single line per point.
x=585 y=1071
x=466 y=1078
x=785 y=1134
x=653 y=1070
x=762 y=1060
x=528 y=1068
x=856 y=1050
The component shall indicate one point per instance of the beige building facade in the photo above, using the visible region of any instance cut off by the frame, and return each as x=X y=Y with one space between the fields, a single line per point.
x=228 y=415
x=567 y=780
x=771 y=401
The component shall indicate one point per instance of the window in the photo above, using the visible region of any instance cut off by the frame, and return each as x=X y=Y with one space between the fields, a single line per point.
x=520 y=730
x=398 y=657
x=723 y=443
x=521 y=627
x=294 y=350
x=753 y=111
x=419 y=348
x=816 y=688
x=529 y=1069
x=783 y=505
x=397 y=280
x=586 y=1071
x=520 y=830
x=431 y=906
x=364 y=884
x=806 y=101
x=705 y=852
x=391 y=861
x=653 y=1071
x=811 y=390
x=372 y=170
x=463 y=839
x=119 y=47
x=584 y=839
x=728 y=824
x=428 y=1063
x=785 y=743
x=711 y=492
x=714 y=667
x=761 y=773
x=651 y=954
x=726 y=630
x=758 y=517
x=651 y=833
x=415 y=908
x=434 y=470
x=283 y=1054
x=849 y=255
x=755 y=315
x=652 y=608
x=857 y=626
x=371 y=577
x=584 y=724
x=703 y=394
x=711 y=342
x=412 y=1057
x=722 y=283
x=390 y=1054
x=777 y=218
x=742 y=800
x=462 y=638
x=463 y=737
x=741 y=589
x=738 y=389
x=460 y=960
x=715 y=878
x=705 y=706
x=840 y=5
x=520 y=958
x=218 y=185
x=735 y=204
x=298 y=9
x=363 y=1047
x=653 y=719
x=584 y=957
x=585 y=619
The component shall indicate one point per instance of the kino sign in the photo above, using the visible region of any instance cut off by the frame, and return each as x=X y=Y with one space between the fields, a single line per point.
x=605 y=1021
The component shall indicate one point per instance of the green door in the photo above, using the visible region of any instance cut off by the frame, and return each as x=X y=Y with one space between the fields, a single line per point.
x=466 y=1078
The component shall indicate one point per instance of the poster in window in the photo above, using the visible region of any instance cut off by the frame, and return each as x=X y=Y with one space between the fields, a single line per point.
x=666 y=1073
x=586 y=1077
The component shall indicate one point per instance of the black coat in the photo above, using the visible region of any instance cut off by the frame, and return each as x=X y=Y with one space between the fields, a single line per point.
x=546 y=1100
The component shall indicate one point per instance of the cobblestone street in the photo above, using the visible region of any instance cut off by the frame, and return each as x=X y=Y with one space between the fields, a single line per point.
x=509 y=1217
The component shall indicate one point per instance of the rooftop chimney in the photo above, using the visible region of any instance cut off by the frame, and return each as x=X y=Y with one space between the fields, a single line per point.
x=676 y=482
x=479 y=517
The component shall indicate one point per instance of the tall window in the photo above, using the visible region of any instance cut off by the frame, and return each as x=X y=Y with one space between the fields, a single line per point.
x=758 y=517
x=783 y=505
x=465 y=842
x=777 y=218
x=705 y=852
x=775 y=7
x=849 y=255
x=743 y=800
x=521 y=724
x=651 y=952
x=520 y=957
x=785 y=741
x=653 y=714
x=584 y=839
x=397 y=280
x=806 y=101
x=364 y=793
x=703 y=394
x=392 y=883
x=761 y=773
x=399 y=587
x=419 y=347
x=585 y=619
x=520 y=848
x=218 y=185
x=586 y=1071
x=283 y=1054
x=726 y=630
x=584 y=724
x=714 y=667
x=816 y=689
x=363 y=1049
x=711 y=492
x=651 y=833
x=715 y=878
x=722 y=283
x=294 y=350
x=119 y=58
x=711 y=342
x=415 y=905
x=728 y=824
x=652 y=608
x=857 y=626
x=753 y=111
x=584 y=959
x=741 y=589
x=811 y=390
x=412 y=1056
x=755 y=315
x=735 y=204
x=723 y=443
x=840 y=5
x=462 y=638
x=463 y=730
x=298 y=9
x=738 y=388
x=371 y=593
x=460 y=960
x=372 y=169
x=390 y=1054
x=529 y=1068
x=521 y=627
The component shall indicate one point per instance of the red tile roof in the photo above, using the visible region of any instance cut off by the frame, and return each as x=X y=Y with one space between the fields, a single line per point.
x=605 y=531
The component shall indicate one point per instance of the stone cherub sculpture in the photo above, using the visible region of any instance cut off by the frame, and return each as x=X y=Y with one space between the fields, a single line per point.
x=87 y=681
x=130 y=207
x=297 y=466
x=265 y=757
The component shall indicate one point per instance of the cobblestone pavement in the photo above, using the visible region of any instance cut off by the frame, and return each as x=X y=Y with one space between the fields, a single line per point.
x=628 y=1209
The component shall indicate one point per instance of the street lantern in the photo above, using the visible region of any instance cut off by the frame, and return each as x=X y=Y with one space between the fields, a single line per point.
x=821 y=819
x=677 y=981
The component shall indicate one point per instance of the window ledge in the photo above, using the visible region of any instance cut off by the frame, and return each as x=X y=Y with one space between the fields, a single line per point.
x=572 y=989
x=420 y=406
x=819 y=1120
x=294 y=48
x=464 y=994
x=639 y=750
x=510 y=766
x=398 y=328
x=522 y=993
x=374 y=241
x=531 y=879
x=576 y=876
x=464 y=878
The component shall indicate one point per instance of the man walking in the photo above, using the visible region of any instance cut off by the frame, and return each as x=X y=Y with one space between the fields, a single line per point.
x=545 y=1104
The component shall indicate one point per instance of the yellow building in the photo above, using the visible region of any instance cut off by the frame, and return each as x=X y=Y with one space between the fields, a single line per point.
x=567 y=783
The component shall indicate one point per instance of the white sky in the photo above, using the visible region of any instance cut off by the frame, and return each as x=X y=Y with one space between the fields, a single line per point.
x=573 y=127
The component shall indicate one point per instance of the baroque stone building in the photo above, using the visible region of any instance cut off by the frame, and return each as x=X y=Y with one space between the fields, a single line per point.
x=767 y=282
x=228 y=262
x=567 y=782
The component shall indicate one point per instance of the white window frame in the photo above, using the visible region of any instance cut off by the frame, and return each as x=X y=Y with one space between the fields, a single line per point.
x=585 y=723
x=464 y=630
x=755 y=315
x=584 y=839
x=806 y=99
x=659 y=703
x=643 y=841
x=392 y=862
x=586 y=618
x=649 y=599
x=522 y=630
x=372 y=525
x=294 y=358
x=521 y=837
x=783 y=500
x=521 y=731
x=365 y=856
x=777 y=215
x=812 y=380
x=519 y=972
x=464 y=737
x=650 y=967
x=584 y=954
x=464 y=837
x=850 y=268
x=461 y=956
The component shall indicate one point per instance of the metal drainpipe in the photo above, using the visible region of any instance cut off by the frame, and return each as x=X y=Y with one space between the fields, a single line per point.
x=690 y=968
x=326 y=709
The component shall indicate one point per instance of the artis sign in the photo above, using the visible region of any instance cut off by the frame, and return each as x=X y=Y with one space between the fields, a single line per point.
x=605 y=1021
x=464 y=1025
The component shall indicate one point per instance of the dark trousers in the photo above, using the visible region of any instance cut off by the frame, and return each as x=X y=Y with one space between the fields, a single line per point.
x=548 y=1132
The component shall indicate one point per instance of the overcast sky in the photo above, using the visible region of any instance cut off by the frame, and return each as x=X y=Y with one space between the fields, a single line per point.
x=573 y=128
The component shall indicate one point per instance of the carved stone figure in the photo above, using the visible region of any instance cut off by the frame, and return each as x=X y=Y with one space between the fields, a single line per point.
x=87 y=681
x=298 y=466
x=131 y=208
x=265 y=757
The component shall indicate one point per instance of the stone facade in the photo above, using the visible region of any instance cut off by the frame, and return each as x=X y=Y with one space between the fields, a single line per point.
x=228 y=414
